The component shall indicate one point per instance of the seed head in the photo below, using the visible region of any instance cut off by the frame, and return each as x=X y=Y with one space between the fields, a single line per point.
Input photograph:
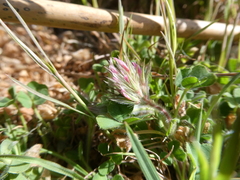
x=129 y=79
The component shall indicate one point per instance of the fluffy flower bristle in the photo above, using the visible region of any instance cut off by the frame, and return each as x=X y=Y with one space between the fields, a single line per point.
x=129 y=79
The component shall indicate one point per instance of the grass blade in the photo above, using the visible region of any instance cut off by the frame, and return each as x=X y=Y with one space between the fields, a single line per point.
x=26 y=49
x=144 y=161
x=69 y=161
x=44 y=64
x=231 y=152
x=28 y=31
x=215 y=156
x=46 y=97
x=44 y=163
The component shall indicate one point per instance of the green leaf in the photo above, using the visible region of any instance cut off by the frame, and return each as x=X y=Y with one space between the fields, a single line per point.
x=194 y=114
x=190 y=95
x=6 y=146
x=52 y=166
x=232 y=64
x=99 y=177
x=144 y=161
x=183 y=73
x=101 y=67
x=199 y=95
x=6 y=102
x=105 y=148
x=236 y=95
x=18 y=176
x=97 y=67
x=225 y=108
x=117 y=158
x=17 y=167
x=106 y=167
x=41 y=88
x=117 y=177
x=12 y=91
x=86 y=84
x=107 y=123
x=24 y=99
x=224 y=80
x=178 y=152
x=131 y=120
x=202 y=77
x=219 y=96
x=119 y=111
x=189 y=82
x=167 y=160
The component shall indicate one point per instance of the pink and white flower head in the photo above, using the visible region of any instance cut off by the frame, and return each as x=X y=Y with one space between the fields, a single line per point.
x=129 y=79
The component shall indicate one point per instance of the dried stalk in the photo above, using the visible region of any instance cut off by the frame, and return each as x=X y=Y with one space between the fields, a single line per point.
x=71 y=16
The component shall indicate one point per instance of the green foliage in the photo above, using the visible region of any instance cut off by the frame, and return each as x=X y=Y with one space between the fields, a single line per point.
x=6 y=102
x=197 y=76
x=107 y=123
x=172 y=122
x=41 y=88
x=143 y=159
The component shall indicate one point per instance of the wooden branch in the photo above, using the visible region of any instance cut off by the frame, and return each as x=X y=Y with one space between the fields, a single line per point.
x=71 y=16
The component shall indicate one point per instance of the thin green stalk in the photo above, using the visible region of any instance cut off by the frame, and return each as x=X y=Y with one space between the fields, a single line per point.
x=171 y=42
x=84 y=2
x=24 y=123
x=157 y=11
x=209 y=12
x=95 y=3
x=215 y=156
x=203 y=162
x=177 y=168
x=44 y=139
x=180 y=101
x=172 y=9
x=238 y=52
x=82 y=159
x=41 y=120
x=231 y=152
x=214 y=102
x=90 y=134
x=199 y=125
x=228 y=38
x=79 y=100
x=17 y=148
x=69 y=161
x=155 y=39
x=121 y=29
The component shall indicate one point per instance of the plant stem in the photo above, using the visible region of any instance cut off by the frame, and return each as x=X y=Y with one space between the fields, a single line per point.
x=216 y=150
x=11 y=131
x=231 y=152
x=45 y=140
x=78 y=99
x=180 y=101
x=160 y=109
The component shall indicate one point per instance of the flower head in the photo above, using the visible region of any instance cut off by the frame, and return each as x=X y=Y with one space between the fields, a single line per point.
x=129 y=79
